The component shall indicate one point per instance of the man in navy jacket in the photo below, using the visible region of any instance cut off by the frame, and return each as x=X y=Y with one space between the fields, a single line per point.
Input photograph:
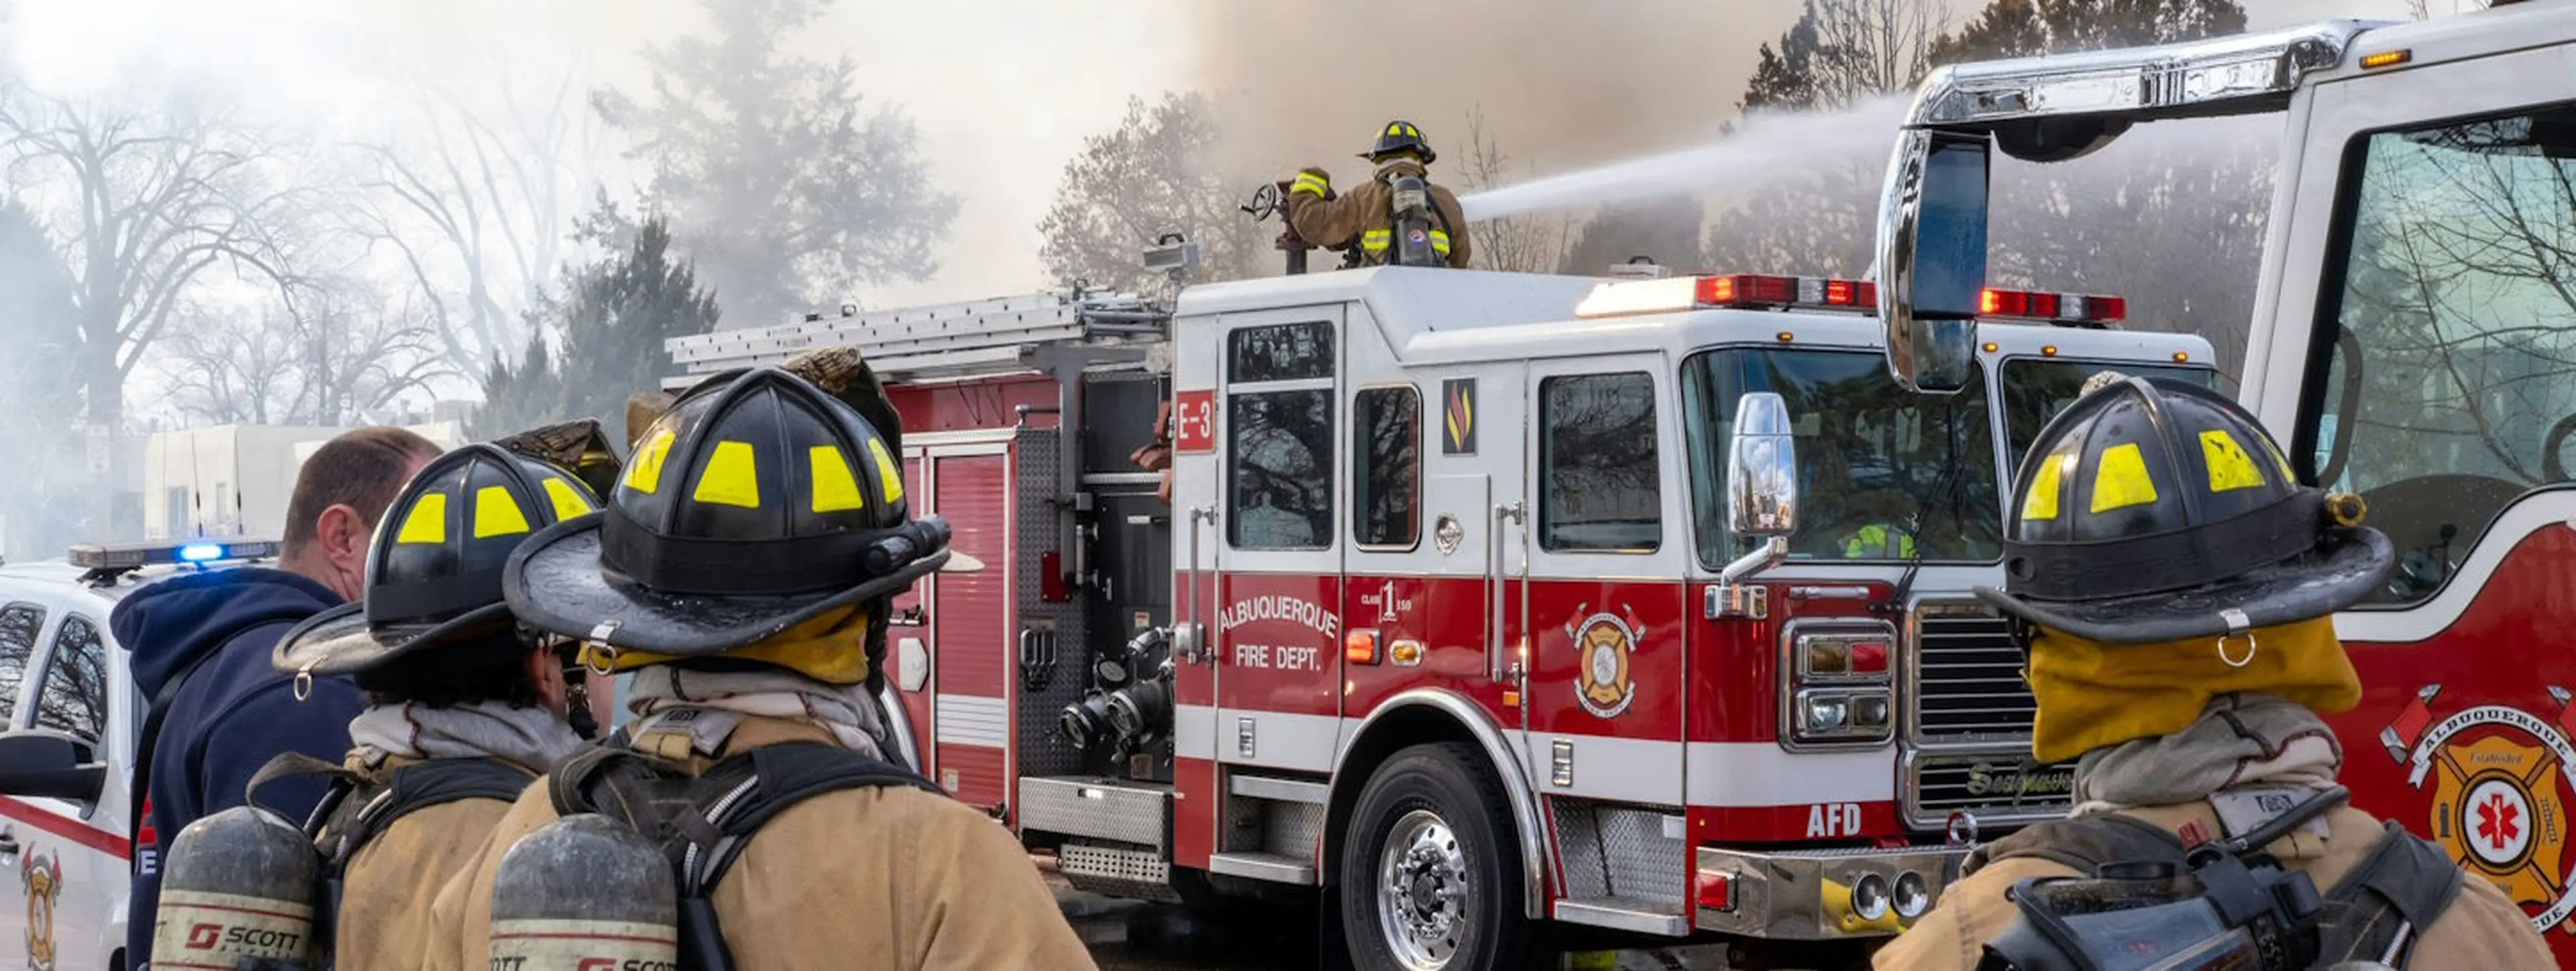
x=233 y=711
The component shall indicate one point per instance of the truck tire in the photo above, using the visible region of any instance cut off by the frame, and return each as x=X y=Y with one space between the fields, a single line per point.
x=1430 y=874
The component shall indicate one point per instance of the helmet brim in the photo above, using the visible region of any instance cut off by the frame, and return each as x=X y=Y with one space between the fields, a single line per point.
x=340 y=641
x=2342 y=570
x=554 y=583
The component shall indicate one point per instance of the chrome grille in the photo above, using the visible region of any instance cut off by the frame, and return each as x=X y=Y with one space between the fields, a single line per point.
x=1992 y=787
x=1967 y=677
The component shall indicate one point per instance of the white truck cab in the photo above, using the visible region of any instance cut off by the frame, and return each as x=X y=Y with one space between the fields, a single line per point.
x=69 y=714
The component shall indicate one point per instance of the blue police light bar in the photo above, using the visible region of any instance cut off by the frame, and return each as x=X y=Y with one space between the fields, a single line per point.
x=197 y=551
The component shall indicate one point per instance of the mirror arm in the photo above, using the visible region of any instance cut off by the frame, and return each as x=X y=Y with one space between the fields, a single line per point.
x=1768 y=555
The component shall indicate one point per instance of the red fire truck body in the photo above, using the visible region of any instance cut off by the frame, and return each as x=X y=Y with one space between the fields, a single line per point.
x=2409 y=344
x=1433 y=526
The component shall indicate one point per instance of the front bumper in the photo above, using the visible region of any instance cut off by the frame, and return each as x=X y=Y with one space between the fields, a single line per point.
x=1810 y=894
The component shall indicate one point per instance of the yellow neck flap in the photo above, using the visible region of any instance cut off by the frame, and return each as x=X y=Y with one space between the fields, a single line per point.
x=2092 y=694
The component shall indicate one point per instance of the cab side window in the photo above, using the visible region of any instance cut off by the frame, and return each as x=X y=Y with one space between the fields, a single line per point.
x=1279 y=453
x=19 y=625
x=1599 y=483
x=75 y=693
x=2447 y=348
x=1386 y=442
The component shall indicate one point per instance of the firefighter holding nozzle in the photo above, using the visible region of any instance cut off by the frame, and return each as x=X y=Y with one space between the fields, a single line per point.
x=1396 y=218
x=2173 y=589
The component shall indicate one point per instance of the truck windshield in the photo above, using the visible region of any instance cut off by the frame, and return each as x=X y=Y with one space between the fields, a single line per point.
x=1871 y=456
x=2037 y=388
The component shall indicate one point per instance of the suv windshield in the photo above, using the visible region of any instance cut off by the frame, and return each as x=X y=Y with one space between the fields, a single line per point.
x=1870 y=455
x=2037 y=388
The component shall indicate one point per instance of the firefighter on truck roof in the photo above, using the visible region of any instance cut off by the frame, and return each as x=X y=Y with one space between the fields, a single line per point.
x=1396 y=218
x=466 y=706
x=736 y=571
x=2174 y=590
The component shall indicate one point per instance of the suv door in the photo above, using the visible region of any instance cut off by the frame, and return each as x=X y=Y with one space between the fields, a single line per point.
x=22 y=627
x=74 y=871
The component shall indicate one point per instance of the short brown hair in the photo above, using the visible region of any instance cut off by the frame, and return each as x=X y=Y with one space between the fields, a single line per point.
x=363 y=469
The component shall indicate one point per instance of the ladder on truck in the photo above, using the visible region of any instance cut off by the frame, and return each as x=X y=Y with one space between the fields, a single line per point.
x=969 y=339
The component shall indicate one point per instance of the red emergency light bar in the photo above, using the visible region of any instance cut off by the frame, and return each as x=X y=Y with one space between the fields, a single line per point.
x=1739 y=291
x=2079 y=309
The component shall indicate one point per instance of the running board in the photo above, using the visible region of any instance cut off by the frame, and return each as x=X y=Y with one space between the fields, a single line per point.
x=1263 y=866
x=1623 y=914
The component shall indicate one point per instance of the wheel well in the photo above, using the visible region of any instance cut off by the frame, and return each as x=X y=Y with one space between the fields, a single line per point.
x=1390 y=733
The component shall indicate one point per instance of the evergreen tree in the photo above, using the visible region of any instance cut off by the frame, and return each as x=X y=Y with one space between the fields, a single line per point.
x=790 y=195
x=613 y=323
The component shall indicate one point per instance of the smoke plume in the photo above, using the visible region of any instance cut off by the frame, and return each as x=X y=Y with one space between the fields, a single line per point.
x=1562 y=85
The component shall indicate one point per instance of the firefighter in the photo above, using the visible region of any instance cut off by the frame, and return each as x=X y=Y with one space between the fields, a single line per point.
x=1396 y=218
x=735 y=573
x=2175 y=589
x=465 y=706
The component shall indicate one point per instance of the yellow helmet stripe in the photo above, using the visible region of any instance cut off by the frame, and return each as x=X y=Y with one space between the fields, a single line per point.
x=835 y=489
x=2041 y=503
x=889 y=473
x=2121 y=480
x=567 y=500
x=2229 y=466
x=645 y=473
x=497 y=514
x=426 y=522
x=731 y=477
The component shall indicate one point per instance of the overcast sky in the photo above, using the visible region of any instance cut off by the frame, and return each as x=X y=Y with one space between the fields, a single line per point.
x=1004 y=91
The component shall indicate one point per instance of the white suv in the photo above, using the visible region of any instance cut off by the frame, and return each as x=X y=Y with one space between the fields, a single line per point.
x=69 y=713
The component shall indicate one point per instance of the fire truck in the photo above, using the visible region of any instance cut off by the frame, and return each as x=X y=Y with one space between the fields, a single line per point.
x=1493 y=605
x=2412 y=340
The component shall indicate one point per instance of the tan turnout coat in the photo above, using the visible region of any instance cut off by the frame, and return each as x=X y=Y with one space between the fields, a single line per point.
x=2482 y=930
x=887 y=877
x=385 y=892
x=1355 y=213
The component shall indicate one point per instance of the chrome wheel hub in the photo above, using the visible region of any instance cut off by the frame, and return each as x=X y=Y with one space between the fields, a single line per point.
x=1422 y=892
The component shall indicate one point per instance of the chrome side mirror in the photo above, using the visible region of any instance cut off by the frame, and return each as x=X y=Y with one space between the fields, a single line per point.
x=1762 y=468
x=1932 y=259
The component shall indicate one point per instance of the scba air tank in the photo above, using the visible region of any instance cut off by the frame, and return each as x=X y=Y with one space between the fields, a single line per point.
x=237 y=890
x=584 y=892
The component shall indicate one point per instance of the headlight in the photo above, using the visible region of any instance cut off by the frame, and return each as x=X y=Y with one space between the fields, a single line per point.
x=1869 y=897
x=1912 y=898
x=1826 y=714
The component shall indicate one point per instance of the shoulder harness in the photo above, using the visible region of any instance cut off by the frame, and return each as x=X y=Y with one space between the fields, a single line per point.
x=356 y=809
x=702 y=823
x=2375 y=913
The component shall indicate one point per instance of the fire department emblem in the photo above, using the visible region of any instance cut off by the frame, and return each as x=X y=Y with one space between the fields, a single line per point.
x=2500 y=793
x=42 y=878
x=1603 y=643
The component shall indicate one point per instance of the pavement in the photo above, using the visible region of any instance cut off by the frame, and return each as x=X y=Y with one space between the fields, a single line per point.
x=1132 y=935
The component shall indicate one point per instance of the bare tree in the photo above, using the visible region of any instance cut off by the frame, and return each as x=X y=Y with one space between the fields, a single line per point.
x=1842 y=51
x=1865 y=47
x=476 y=208
x=1155 y=174
x=1527 y=243
x=343 y=351
x=149 y=199
x=2423 y=9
